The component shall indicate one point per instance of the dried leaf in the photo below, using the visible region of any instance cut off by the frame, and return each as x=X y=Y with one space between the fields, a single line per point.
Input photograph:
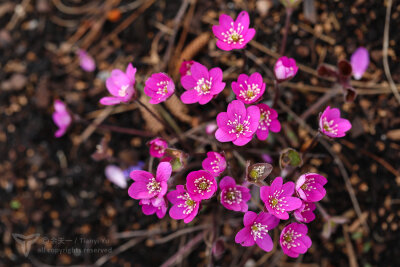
x=152 y=124
x=178 y=109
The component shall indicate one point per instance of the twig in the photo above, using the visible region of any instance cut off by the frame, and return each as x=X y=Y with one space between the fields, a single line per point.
x=350 y=250
x=325 y=98
x=385 y=51
x=138 y=233
x=183 y=231
x=289 y=12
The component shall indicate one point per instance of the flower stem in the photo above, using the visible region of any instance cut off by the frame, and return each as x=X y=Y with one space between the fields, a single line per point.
x=289 y=12
x=277 y=94
x=312 y=144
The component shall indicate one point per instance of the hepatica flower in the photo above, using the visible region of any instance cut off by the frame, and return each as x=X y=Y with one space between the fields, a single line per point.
x=359 y=62
x=294 y=240
x=201 y=185
x=268 y=121
x=120 y=85
x=150 y=188
x=61 y=118
x=233 y=34
x=184 y=207
x=158 y=147
x=234 y=197
x=149 y=209
x=215 y=163
x=256 y=229
x=238 y=124
x=249 y=89
x=86 y=61
x=202 y=85
x=278 y=198
x=159 y=87
x=185 y=67
x=305 y=213
x=285 y=69
x=332 y=125
x=310 y=187
x=115 y=175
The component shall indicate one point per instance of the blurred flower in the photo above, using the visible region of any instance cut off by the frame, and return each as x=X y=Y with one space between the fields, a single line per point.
x=234 y=197
x=233 y=34
x=256 y=229
x=148 y=208
x=294 y=240
x=238 y=124
x=310 y=187
x=267 y=158
x=87 y=63
x=138 y=167
x=268 y=121
x=218 y=248
x=285 y=69
x=332 y=125
x=185 y=67
x=157 y=147
x=115 y=175
x=159 y=87
x=249 y=89
x=305 y=213
x=359 y=62
x=61 y=118
x=201 y=185
x=148 y=187
x=278 y=198
x=215 y=163
x=184 y=207
x=202 y=85
x=211 y=127
x=120 y=85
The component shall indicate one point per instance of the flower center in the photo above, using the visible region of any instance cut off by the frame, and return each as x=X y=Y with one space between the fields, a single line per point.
x=274 y=202
x=233 y=35
x=153 y=186
x=258 y=230
x=257 y=172
x=233 y=196
x=189 y=202
x=265 y=121
x=189 y=205
x=288 y=237
x=203 y=185
x=249 y=94
x=329 y=126
x=304 y=186
x=203 y=86
x=123 y=90
x=239 y=128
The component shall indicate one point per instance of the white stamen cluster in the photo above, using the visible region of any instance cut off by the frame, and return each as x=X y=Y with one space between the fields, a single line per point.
x=289 y=239
x=232 y=195
x=162 y=88
x=277 y=202
x=202 y=185
x=308 y=185
x=189 y=205
x=330 y=126
x=203 y=86
x=265 y=121
x=258 y=230
x=153 y=186
x=239 y=128
x=122 y=92
x=251 y=92
x=215 y=164
x=234 y=36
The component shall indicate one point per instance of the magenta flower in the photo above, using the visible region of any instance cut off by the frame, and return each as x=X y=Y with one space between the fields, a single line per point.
x=233 y=34
x=294 y=240
x=238 y=124
x=310 y=187
x=268 y=121
x=211 y=128
x=305 y=213
x=202 y=85
x=148 y=187
x=285 y=69
x=332 y=125
x=256 y=229
x=215 y=163
x=184 y=207
x=115 y=175
x=278 y=198
x=149 y=209
x=185 y=67
x=159 y=87
x=234 y=197
x=359 y=62
x=158 y=147
x=249 y=89
x=201 y=185
x=61 y=118
x=86 y=61
x=120 y=85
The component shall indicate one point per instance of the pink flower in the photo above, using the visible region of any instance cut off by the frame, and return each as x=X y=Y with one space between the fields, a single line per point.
x=294 y=240
x=202 y=85
x=61 y=118
x=184 y=207
x=148 y=187
x=249 y=89
x=278 y=198
x=332 y=125
x=158 y=147
x=234 y=197
x=211 y=127
x=256 y=229
x=148 y=208
x=185 y=67
x=233 y=34
x=120 y=85
x=215 y=163
x=115 y=175
x=201 y=185
x=310 y=187
x=268 y=121
x=159 y=87
x=86 y=61
x=238 y=124
x=285 y=68
x=359 y=62
x=305 y=213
